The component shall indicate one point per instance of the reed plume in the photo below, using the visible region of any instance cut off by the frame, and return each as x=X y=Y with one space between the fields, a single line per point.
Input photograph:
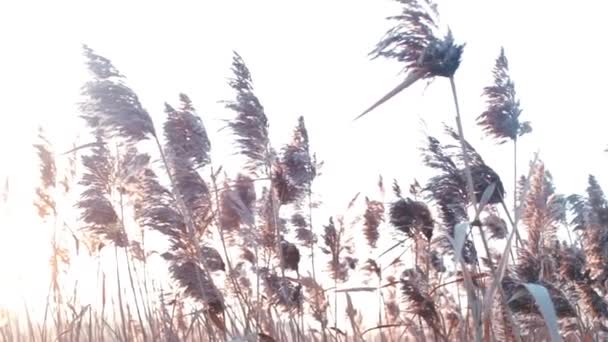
x=543 y=212
x=186 y=149
x=500 y=120
x=448 y=189
x=304 y=235
x=110 y=105
x=495 y=225
x=339 y=249
x=415 y=41
x=237 y=204
x=282 y=291
x=97 y=210
x=591 y=217
x=419 y=303
x=250 y=126
x=291 y=256
x=373 y=218
x=411 y=217
x=295 y=169
x=44 y=202
x=186 y=133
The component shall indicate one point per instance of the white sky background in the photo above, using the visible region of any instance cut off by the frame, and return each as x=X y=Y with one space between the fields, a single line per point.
x=310 y=58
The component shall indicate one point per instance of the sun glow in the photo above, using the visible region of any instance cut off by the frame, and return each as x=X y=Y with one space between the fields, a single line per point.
x=24 y=253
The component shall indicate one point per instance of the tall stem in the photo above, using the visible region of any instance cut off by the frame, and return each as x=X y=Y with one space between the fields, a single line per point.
x=471 y=190
x=336 y=303
x=274 y=208
x=120 y=304
x=379 y=290
x=131 y=281
x=514 y=175
x=312 y=254
x=186 y=215
x=147 y=305
x=237 y=287
x=518 y=239
x=312 y=244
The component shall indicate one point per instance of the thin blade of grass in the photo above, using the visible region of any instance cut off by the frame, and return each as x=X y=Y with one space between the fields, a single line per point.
x=409 y=80
x=485 y=198
x=358 y=289
x=460 y=234
x=391 y=248
x=546 y=308
x=93 y=144
x=350 y=312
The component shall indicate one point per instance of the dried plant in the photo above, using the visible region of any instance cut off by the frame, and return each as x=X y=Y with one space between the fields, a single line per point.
x=482 y=174
x=291 y=255
x=522 y=302
x=48 y=170
x=501 y=118
x=371 y=267
x=419 y=302
x=543 y=211
x=237 y=204
x=317 y=300
x=448 y=189
x=296 y=168
x=190 y=275
x=415 y=42
x=282 y=291
x=592 y=302
x=155 y=208
x=44 y=202
x=496 y=225
x=591 y=216
x=250 y=125
x=271 y=230
x=192 y=189
x=186 y=134
x=411 y=217
x=373 y=218
x=110 y=105
x=303 y=233
x=97 y=210
x=437 y=262
x=597 y=203
x=336 y=246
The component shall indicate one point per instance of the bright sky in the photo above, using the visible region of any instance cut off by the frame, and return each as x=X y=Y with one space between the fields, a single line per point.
x=309 y=58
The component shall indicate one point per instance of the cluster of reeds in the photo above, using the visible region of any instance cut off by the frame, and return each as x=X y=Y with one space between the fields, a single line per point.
x=245 y=261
